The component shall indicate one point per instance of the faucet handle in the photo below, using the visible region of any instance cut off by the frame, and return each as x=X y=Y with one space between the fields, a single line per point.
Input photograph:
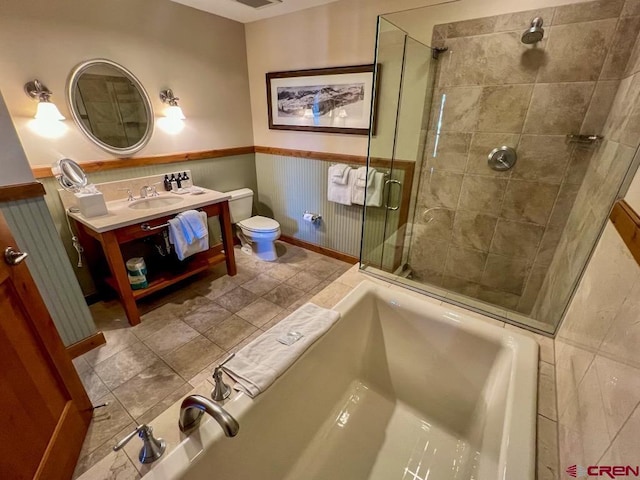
x=130 y=197
x=152 y=448
x=154 y=190
x=221 y=390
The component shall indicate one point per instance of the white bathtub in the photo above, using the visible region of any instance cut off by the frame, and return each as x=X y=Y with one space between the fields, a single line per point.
x=399 y=388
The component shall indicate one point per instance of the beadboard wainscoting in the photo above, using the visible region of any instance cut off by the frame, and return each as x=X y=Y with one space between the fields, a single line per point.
x=222 y=174
x=34 y=231
x=288 y=186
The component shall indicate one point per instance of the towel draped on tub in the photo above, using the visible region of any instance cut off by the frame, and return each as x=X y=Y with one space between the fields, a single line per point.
x=262 y=361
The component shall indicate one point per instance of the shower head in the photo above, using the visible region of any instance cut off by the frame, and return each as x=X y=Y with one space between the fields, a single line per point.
x=535 y=33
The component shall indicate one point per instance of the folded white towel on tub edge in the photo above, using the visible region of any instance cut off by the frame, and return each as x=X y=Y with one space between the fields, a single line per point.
x=256 y=366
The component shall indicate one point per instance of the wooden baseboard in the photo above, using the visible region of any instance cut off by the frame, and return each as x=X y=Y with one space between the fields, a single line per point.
x=83 y=346
x=322 y=250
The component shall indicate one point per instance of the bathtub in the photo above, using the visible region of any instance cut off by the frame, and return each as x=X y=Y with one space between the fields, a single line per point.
x=399 y=388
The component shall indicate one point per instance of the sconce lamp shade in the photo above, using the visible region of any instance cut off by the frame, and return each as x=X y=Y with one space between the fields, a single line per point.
x=47 y=110
x=174 y=112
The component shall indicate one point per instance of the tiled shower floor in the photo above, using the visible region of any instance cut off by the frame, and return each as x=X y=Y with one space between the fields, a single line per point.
x=142 y=370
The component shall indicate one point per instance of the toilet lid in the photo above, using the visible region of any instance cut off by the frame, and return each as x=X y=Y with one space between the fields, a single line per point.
x=260 y=224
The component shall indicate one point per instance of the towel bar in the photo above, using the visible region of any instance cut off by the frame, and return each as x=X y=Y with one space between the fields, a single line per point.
x=147 y=228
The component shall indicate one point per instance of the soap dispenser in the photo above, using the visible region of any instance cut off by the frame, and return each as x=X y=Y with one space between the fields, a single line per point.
x=167 y=183
x=186 y=181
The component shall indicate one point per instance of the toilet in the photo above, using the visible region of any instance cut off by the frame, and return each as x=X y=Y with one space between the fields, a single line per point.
x=258 y=233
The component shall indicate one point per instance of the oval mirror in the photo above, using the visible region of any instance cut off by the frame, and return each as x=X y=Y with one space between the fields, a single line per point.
x=70 y=175
x=110 y=106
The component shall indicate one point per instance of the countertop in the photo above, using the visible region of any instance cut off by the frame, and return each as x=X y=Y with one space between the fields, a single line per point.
x=120 y=215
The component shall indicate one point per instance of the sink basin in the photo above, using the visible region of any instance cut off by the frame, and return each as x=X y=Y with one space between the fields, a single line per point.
x=154 y=202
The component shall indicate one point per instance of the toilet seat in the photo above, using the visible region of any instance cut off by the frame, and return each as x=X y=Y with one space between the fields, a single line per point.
x=259 y=224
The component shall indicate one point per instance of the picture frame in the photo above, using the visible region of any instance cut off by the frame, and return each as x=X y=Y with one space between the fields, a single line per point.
x=327 y=100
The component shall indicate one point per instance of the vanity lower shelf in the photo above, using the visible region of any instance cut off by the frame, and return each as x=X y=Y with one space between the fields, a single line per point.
x=165 y=279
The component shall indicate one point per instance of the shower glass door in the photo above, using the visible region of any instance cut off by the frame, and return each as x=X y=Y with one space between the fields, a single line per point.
x=404 y=77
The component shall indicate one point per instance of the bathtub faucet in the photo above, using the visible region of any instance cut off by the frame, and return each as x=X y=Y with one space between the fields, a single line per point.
x=194 y=406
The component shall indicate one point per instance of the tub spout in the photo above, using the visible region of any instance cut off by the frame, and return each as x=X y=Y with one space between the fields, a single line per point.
x=194 y=406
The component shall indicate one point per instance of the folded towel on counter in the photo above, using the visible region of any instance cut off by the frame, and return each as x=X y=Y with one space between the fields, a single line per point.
x=364 y=178
x=189 y=235
x=341 y=193
x=339 y=173
x=262 y=361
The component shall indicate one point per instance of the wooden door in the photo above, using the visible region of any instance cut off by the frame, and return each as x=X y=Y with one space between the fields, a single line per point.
x=44 y=409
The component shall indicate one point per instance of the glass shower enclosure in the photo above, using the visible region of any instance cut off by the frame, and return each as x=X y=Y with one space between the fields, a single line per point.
x=499 y=159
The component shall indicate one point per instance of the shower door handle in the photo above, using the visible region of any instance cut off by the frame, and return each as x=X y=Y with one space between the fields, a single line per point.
x=390 y=182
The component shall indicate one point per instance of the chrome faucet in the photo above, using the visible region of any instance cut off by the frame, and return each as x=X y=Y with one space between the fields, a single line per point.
x=193 y=408
x=144 y=191
x=152 y=448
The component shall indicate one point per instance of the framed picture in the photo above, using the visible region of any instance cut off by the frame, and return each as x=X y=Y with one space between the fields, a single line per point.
x=329 y=100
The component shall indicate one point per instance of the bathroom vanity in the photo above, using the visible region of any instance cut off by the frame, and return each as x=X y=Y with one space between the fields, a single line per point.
x=103 y=239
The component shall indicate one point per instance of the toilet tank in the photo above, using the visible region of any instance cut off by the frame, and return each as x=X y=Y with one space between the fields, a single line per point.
x=240 y=204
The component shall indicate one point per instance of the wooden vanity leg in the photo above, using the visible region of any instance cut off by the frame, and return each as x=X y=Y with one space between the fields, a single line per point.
x=227 y=238
x=118 y=270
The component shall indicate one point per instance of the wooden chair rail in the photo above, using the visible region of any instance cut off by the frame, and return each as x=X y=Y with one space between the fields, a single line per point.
x=627 y=223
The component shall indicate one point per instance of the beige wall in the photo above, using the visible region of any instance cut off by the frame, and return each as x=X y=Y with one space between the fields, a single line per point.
x=341 y=33
x=13 y=162
x=200 y=56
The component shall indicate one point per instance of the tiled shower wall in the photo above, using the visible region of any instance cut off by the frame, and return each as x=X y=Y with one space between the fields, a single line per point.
x=492 y=235
x=598 y=362
x=612 y=158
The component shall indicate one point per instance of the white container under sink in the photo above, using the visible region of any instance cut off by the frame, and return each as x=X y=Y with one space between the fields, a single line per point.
x=260 y=233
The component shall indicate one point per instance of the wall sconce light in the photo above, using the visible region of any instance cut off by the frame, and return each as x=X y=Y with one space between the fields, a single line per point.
x=47 y=110
x=174 y=112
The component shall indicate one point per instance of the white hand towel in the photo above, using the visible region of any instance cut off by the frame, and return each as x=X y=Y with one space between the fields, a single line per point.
x=364 y=178
x=341 y=193
x=262 y=361
x=339 y=173
x=193 y=225
x=374 y=192
x=178 y=233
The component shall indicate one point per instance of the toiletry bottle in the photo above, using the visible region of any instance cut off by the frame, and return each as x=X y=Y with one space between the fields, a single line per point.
x=186 y=181
x=167 y=183
x=174 y=183
x=179 y=180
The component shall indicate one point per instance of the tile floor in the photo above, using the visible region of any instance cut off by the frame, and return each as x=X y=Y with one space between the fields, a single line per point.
x=142 y=370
